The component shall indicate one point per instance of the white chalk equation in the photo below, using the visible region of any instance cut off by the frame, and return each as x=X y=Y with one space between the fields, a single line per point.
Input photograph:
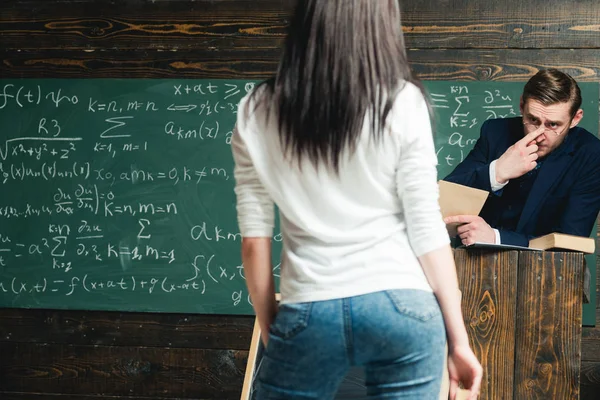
x=91 y=285
x=173 y=175
x=19 y=148
x=119 y=177
x=72 y=285
x=64 y=245
x=47 y=171
x=460 y=111
x=206 y=231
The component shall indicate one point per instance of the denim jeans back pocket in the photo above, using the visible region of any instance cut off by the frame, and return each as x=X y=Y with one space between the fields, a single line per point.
x=290 y=320
x=417 y=304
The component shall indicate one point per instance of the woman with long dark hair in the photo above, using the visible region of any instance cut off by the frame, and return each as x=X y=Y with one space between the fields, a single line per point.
x=340 y=140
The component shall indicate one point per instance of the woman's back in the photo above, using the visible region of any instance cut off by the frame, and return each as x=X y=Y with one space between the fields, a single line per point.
x=345 y=233
x=346 y=153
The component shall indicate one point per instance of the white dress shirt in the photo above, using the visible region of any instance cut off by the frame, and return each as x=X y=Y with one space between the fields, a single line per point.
x=495 y=187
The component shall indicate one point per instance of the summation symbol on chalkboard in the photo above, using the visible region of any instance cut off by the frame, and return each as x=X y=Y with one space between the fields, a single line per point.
x=117 y=123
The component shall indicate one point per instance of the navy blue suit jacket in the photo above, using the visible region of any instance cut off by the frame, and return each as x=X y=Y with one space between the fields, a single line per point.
x=565 y=196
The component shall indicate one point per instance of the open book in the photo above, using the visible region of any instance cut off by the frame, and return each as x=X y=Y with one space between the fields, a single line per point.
x=456 y=199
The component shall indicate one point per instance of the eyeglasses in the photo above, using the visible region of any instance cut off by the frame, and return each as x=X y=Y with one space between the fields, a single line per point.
x=532 y=125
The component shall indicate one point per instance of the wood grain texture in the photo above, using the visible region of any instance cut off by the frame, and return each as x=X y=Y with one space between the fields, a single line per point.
x=121 y=371
x=590 y=344
x=127 y=25
x=488 y=281
x=590 y=380
x=548 y=331
x=503 y=65
x=125 y=329
x=497 y=65
x=251 y=64
x=535 y=24
x=227 y=24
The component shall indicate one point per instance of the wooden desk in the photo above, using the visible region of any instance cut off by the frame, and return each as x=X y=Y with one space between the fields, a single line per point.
x=523 y=313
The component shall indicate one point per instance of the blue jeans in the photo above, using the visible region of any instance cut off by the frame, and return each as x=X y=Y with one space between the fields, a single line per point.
x=398 y=336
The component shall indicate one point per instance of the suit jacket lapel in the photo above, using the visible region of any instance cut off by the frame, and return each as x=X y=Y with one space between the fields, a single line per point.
x=551 y=172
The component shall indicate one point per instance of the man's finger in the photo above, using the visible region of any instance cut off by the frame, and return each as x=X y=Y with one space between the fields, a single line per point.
x=464 y=229
x=532 y=148
x=533 y=135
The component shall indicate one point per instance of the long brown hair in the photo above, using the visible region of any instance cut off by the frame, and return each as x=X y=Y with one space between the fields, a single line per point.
x=342 y=60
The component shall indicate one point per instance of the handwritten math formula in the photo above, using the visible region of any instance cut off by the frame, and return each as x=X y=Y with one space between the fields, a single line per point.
x=120 y=186
x=460 y=110
x=118 y=194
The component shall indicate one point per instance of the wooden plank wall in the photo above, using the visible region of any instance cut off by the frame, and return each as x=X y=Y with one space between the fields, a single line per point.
x=77 y=355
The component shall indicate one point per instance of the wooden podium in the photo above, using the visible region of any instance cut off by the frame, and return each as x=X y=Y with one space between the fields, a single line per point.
x=523 y=311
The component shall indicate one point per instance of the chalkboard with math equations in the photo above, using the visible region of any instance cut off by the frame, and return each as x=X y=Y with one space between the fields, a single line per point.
x=117 y=194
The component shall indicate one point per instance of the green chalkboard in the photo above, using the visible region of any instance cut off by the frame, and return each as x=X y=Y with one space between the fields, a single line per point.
x=117 y=194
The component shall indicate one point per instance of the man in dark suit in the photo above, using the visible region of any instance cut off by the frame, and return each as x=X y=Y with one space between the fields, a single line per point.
x=542 y=171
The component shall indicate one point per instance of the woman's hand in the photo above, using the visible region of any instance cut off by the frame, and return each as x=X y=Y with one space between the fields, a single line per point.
x=464 y=367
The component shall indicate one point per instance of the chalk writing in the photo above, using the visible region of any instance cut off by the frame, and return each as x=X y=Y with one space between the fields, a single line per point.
x=118 y=188
x=118 y=194
x=459 y=112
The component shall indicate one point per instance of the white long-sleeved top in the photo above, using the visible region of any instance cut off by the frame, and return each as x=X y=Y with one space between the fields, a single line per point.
x=352 y=234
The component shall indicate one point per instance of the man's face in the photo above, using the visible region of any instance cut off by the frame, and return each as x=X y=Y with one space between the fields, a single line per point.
x=556 y=118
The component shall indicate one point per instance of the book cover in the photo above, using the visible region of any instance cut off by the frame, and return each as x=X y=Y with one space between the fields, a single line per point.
x=564 y=242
